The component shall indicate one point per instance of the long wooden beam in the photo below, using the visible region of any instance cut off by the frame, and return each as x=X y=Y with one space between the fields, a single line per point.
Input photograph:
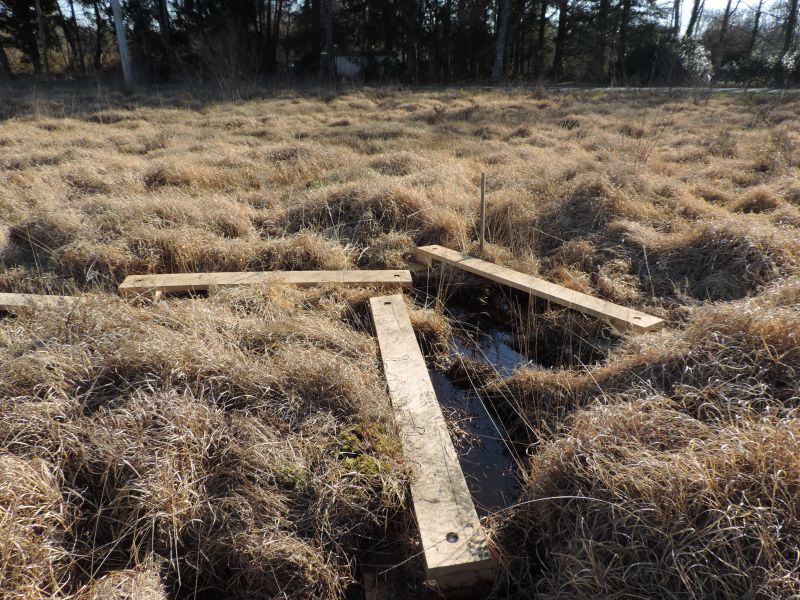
x=14 y=302
x=192 y=282
x=625 y=319
x=453 y=541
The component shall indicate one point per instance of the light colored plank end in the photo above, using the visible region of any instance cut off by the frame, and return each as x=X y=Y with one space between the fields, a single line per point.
x=10 y=302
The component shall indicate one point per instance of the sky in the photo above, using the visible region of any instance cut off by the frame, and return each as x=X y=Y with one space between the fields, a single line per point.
x=709 y=5
x=719 y=5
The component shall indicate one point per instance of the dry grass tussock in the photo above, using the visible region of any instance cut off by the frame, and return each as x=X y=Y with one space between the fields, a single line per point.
x=639 y=496
x=239 y=444
x=669 y=466
x=242 y=445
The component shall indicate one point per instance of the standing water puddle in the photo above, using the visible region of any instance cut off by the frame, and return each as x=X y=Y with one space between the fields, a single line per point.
x=486 y=457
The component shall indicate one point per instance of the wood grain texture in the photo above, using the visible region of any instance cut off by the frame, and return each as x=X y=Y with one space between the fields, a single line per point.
x=624 y=319
x=453 y=540
x=193 y=282
x=14 y=302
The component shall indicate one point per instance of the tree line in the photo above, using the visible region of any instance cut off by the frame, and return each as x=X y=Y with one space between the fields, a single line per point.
x=617 y=42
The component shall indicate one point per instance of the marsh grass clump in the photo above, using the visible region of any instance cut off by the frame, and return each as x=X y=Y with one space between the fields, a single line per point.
x=362 y=212
x=675 y=455
x=198 y=177
x=388 y=251
x=37 y=238
x=34 y=529
x=664 y=501
x=397 y=164
x=304 y=251
x=129 y=584
x=434 y=332
x=718 y=262
x=563 y=338
x=200 y=441
x=727 y=363
x=757 y=201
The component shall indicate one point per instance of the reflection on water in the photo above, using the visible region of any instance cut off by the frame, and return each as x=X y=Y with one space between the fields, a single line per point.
x=487 y=463
x=486 y=459
x=492 y=347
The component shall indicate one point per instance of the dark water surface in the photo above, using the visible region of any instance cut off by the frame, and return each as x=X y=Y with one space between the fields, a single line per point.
x=487 y=461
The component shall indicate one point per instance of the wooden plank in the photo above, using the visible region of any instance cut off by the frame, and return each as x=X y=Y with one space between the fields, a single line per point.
x=624 y=319
x=14 y=302
x=453 y=541
x=192 y=282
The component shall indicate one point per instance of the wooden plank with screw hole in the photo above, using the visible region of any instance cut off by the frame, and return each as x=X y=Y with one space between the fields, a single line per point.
x=454 y=544
x=193 y=282
x=14 y=302
x=624 y=319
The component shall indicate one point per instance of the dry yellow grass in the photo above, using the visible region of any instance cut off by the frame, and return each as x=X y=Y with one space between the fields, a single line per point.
x=242 y=445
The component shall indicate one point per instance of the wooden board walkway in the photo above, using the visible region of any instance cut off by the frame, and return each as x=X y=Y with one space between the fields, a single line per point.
x=14 y=302
x=193 y=282
x=624 y=319
x=453 y=540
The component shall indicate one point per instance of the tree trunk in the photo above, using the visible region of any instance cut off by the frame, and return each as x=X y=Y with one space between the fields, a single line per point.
x=273 y=59
x=316 y=32
x=694 y=16
x=76 y=33
x=447 y=33
x=70 y=56
x=98 y=45
x=166 y=37
x=286 y=36
x=522 y=54
x=754 y=31
x=540 y=39
x=42 y=37
x=622 y=41
x=723 y=34
x=5 y=67
x=791 y=22
x=419 y=28
x=412 y=6
x=561 y=38
x=437 y=44
x=461 y=56
x=330 y=60
x=602 y=45
x=502 y=37
x=676 y=18
x=266 y=31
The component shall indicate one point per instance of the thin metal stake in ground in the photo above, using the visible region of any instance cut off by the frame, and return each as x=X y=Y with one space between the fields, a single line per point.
x=483 y=209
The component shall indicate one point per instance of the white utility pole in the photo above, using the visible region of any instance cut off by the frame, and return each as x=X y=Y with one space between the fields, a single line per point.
x=123 y=45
